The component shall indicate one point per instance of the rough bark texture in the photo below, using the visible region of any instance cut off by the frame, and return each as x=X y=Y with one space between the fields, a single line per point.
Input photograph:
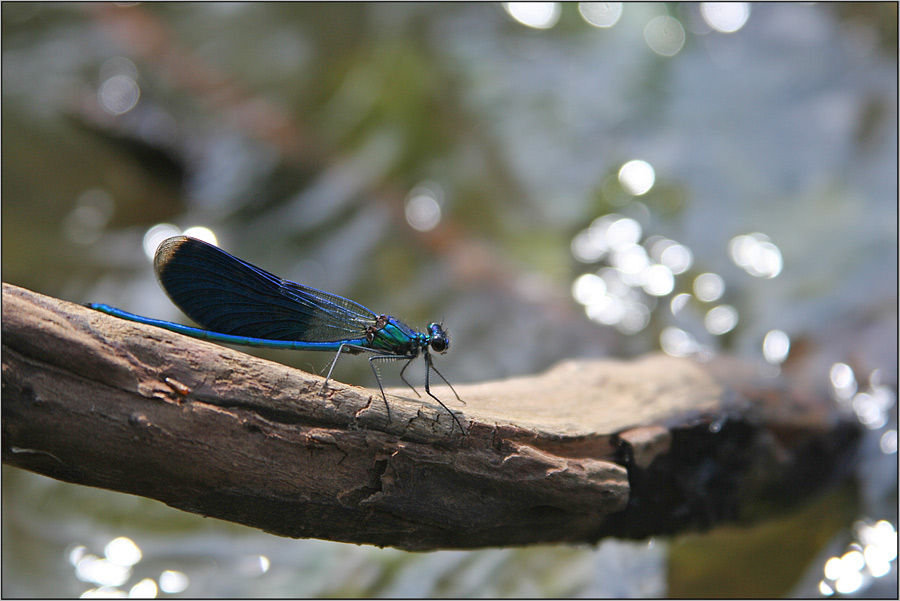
x=586 y=450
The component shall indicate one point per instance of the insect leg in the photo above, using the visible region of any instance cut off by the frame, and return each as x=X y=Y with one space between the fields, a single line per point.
x=428 y=367
x=350 y=348
x=332 y=364
x=378 y=377
x=405 y=381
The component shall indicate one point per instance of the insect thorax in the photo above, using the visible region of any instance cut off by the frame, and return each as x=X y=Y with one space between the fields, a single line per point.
x=392 y=335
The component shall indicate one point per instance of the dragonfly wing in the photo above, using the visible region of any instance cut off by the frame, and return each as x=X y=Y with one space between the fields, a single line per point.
x=227 y=295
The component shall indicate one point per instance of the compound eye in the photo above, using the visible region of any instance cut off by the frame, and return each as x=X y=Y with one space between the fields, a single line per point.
x=439 y=345
x=439 y=340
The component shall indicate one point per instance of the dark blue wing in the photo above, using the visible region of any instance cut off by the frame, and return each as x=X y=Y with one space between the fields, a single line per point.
x=227 y=295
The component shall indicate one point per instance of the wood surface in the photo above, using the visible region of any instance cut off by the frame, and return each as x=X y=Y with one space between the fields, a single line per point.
x=588 y=449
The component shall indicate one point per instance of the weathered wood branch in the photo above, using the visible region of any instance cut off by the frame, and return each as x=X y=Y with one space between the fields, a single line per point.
x=586 y=450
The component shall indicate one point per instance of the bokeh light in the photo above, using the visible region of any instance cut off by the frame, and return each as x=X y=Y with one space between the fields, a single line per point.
x=631 y=260
x=664 y=35
x=264 y=564
x=588 y=288
x=111 y=573
x=93 y=569
x=119 y=94
x=145 y=589
x=622 y=232
x=756 y=254
x=202 y=233
x=872 y=406
x=601 y=14
x=637 y=177
x=122 y=551
x=86 y=221
x=709 y=287
x=607 y=233
x=155 y=235
x=538 y=15
x=869 y=556
x=76 y=553
x=843 y=381
x=163 y=231
x=658 y=280
x=104 y=592
x=679 y=302
x=725 y=17
x=677 y=343
x=720 y=320
x=118 y=65
x=423 y=206
x=635 y=318
x=776 y=346
x=677 y=257
x=888 y=442
x=624 y=293
x=173 y=582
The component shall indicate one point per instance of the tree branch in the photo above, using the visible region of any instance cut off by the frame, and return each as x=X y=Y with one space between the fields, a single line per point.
x=586 y=450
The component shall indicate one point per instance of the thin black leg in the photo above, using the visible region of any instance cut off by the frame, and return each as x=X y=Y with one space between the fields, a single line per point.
x=402 y=377
x=428 y=367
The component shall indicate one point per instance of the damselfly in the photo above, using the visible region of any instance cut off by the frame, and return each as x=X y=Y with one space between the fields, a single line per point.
x=239 y=303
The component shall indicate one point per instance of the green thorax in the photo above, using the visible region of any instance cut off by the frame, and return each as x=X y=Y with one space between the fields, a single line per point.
x=392 y=335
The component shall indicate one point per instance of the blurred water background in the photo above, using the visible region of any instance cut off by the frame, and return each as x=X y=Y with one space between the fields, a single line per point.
x=550 y=180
